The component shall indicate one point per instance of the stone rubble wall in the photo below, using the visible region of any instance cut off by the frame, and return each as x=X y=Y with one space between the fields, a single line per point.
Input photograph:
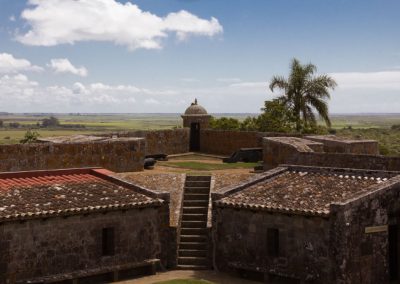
x=117 y=156
x=278 y=151
x=333 y=144
x=60 y=245
x=363 y=257
x=240 y=241
x=171 y=141
x=225 y=142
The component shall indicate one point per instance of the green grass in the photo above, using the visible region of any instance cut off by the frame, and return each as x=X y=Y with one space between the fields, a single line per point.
x=199 y=166
x=185 y=281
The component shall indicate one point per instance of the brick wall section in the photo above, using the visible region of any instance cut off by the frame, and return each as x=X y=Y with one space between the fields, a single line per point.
x=61 y=245
x=118 y=156
x=171 y=141
x=225 y=142
x=352 y=263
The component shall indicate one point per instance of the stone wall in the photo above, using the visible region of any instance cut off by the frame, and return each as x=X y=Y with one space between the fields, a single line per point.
x=345 y=161
x=59 y=245
x=120 y=155
x=278 y=151
x=363 y=257
x=171 y=141
x=225 y=142
x=240 y=241
x=334 y=144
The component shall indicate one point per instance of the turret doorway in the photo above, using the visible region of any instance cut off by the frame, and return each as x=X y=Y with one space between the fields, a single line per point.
x=194 y=145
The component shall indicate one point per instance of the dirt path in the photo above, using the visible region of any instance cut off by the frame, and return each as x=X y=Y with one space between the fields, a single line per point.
x=210 y=275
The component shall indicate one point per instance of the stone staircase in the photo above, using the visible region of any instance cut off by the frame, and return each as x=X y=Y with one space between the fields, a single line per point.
x=193 y=241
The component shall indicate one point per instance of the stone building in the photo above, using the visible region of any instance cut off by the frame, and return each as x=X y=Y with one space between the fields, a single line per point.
x=196 y=118
x=297 y=224
x=62 y=226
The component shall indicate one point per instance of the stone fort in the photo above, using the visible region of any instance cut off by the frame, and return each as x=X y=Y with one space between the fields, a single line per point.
x=323 y=210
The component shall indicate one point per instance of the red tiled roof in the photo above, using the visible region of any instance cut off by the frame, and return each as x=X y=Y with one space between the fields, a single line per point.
x=42 y=193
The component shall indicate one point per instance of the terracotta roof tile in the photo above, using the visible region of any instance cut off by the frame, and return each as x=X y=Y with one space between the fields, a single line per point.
x=43 y=193
x=301 y=192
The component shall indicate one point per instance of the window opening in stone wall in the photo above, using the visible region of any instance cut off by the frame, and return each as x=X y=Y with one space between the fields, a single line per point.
x=108 y=244
x=273 y=242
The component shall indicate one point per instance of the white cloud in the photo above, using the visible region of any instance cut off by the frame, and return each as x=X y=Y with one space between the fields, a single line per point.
x=10 y=64
x=20 y=94
x=368 y=80
x=12 y=18
x=54 y=22
x=63 y=65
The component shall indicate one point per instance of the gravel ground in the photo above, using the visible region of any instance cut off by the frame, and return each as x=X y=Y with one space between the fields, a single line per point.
x=158 y=181
x=209 y=275
x=172 y=180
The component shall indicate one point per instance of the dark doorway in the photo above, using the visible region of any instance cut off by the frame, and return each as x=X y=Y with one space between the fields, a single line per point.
x=194 y=137
x=394 y=248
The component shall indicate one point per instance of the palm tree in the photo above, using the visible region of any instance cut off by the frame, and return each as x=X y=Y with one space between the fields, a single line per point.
x=304 y=92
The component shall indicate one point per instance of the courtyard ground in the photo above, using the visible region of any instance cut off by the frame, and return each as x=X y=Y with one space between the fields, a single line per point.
x=208 y=275
x=170 y=176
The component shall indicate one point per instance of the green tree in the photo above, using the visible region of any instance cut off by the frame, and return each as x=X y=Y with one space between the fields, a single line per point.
x=30 y=137
x=224 y=123
x=276 y=117
x=1 y=123
x=305 y=92
x=50 y=122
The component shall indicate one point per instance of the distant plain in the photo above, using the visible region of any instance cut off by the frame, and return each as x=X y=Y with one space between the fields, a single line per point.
x=359 y=126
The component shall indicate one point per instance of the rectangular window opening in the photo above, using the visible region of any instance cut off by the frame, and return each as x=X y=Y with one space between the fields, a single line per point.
x=273 y=242
x=108 y=243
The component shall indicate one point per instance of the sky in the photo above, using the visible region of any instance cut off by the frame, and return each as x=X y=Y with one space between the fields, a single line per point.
x=157 y=56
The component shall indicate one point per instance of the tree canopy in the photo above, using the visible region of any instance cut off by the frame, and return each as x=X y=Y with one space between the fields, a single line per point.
x=304 y=93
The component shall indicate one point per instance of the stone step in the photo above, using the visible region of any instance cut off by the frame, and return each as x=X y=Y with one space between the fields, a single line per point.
x=192 y=267
x=195 y=210
x=193 y=245
x=203 y=190
x=194 y=231
x=195 y=203
x=196 y=196
x=194 y=217
x=186 y=260
x=194 y=224
x=193 y=238
x=197 y=183
x=198 y=178
x=192 y=252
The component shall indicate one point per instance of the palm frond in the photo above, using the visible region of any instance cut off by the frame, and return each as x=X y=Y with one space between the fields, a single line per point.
x=278 y=82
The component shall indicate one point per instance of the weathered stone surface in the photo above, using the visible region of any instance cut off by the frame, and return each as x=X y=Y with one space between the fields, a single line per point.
x=119 y=155
x=225 y=142
x=334 y=144
x=171 y=141
x=240 y=240
x=278 y=151
x=41 y=247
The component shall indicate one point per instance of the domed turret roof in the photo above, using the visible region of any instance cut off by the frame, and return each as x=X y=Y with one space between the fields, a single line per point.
x=195 y=109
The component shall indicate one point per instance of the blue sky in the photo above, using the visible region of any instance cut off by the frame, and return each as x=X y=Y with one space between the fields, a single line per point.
x=158 y=55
